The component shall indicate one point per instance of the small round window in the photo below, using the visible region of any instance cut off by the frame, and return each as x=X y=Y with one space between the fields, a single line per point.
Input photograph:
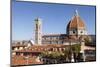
x=81 y=31
x=73 y=31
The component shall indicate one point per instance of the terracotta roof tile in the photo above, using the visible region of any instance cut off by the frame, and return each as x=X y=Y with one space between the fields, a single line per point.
x=76 y=22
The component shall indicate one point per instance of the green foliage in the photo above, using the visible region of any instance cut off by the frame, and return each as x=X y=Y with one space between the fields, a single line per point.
x=66 y=54
x=52 y=54
x=87 y=40
x=67 y=51
x=76 y=48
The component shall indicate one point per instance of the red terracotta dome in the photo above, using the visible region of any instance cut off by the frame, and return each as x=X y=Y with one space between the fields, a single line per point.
x=76 y=26
x=76 y=23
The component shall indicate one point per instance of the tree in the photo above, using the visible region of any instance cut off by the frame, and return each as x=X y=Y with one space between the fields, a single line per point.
x=87 y=40
x=53 y=55
x=76 y=48
x=67 y=53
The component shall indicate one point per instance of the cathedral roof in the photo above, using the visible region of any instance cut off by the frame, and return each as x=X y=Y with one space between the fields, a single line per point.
x=76 y=22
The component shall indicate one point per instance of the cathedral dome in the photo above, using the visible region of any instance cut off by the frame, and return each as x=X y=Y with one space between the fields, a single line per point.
x=76 y=25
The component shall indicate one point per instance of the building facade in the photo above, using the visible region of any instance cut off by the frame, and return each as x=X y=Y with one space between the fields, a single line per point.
x=28 y=52
x=75 y=31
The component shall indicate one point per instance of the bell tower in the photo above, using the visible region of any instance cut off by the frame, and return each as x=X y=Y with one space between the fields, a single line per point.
x=38 y=31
